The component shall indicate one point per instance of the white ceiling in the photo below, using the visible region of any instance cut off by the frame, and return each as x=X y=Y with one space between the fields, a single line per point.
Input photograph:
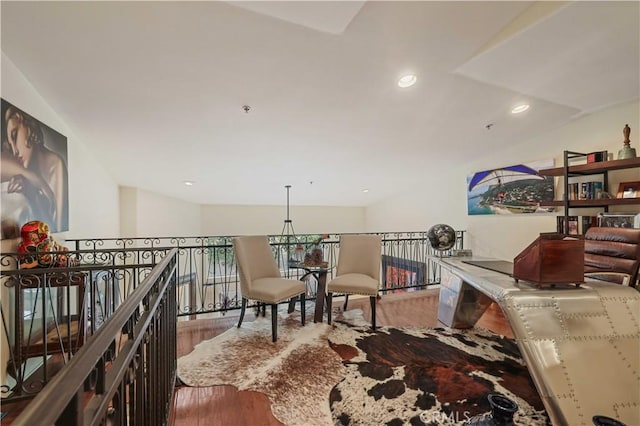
x=156 y=89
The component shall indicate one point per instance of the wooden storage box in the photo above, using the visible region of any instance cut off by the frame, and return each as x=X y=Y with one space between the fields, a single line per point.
x=551 y=259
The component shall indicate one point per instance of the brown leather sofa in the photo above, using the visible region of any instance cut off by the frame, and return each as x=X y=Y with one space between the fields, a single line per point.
x=612 y=254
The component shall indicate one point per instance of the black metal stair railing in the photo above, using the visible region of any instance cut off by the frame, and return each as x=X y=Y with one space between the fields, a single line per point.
x=126 y=373
x=50 y=312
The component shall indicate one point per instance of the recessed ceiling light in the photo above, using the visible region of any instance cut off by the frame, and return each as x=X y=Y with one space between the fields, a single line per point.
x=407 y=80
x=188 y=182
x=519 y=108
x=365 y=190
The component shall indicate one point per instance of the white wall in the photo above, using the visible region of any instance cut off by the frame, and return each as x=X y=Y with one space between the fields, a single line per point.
x=442 y=198
x=147 y=214
x=128 y=211
x=247 y=220
x=93 y=194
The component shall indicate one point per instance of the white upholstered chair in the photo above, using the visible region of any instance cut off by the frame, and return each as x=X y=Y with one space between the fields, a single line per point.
x=358 y=270
x=260 y=278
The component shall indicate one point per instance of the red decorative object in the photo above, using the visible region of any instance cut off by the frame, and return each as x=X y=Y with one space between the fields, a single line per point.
x=39 y=247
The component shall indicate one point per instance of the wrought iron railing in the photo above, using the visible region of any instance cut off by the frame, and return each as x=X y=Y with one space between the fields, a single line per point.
x=126 y=373
x=56 y=310
x=208 y=280
x=52 y=311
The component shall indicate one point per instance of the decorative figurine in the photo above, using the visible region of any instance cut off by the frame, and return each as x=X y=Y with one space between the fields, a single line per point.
x=39 y=247
x=501 y=414
x=626 y=151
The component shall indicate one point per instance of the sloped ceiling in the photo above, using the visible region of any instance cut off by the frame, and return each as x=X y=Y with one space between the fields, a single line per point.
x=328 y=16
x=157 y=89
x=554 y=58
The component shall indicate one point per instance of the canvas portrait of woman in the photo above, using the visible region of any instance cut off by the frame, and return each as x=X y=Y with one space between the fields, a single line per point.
x=34 y=173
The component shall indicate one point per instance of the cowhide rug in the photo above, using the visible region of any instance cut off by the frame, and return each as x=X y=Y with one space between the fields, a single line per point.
x=297 y=372
x=427 y=376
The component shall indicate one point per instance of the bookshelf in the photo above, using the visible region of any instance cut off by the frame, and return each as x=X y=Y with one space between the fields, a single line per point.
x=569 y=171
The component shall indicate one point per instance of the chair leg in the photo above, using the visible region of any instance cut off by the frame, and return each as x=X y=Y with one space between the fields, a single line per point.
x=303 y=305
x=372 y=299
x=329 y=303
x=274 y=322
x=244 y=306
x=346 y=300
x=264 y=309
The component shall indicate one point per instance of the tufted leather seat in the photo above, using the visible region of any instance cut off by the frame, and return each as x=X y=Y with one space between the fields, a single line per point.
x=612 y=254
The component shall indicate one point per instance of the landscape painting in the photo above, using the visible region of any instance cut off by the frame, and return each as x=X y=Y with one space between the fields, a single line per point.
x=513 y=189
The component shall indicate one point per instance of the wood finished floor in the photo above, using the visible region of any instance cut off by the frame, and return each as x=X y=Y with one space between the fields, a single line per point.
x=225 y=405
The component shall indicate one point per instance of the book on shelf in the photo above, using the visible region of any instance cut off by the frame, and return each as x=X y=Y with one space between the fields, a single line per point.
x=584 y=193
x=597 y=190
x=578 y=225
x=573 y=191
x=588 y=222
x=571 y=228
x=577 y=160
x=589 y=191
x=597 y=156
